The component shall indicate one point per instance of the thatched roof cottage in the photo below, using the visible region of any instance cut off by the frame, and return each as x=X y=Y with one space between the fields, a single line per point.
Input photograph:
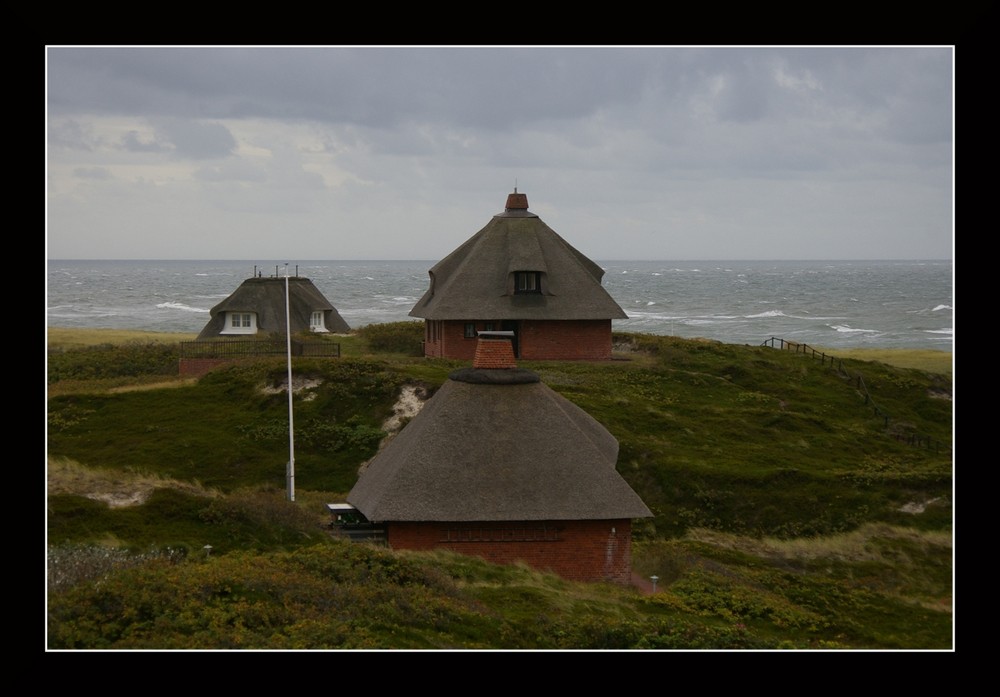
x=518 y=275
x=499 y=465
x=258 y=307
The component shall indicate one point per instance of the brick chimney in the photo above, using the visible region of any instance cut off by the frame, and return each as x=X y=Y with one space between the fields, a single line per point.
x=516 y=201
x=494 y=350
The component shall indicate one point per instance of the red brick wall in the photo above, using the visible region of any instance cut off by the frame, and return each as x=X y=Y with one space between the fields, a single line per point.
x=578 y=550
x=446 y=339
x=566 y=340
x=453 y=341
x=557 y=340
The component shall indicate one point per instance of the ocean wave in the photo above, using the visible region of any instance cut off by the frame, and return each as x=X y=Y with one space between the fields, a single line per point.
x=949 y=331
x=180 y=306
x=769 y=313
x=941 y=307
x=851 y=330
x=648 y=317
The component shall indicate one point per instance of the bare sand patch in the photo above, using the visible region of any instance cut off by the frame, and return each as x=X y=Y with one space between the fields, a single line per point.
x=114 y=487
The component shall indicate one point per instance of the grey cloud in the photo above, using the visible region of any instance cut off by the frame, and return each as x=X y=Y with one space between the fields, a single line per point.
x=380 y=87
x=218 y=173
x=71 y=134
x=133 y=142
x=197 y=140
x=675 y=140
x=495 y=89
x=100 y=173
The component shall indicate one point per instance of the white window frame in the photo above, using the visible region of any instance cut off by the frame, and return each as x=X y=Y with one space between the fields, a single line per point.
x=316 y=322
x=240 y=323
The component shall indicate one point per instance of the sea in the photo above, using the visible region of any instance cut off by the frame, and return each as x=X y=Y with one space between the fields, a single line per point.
x=826 y=304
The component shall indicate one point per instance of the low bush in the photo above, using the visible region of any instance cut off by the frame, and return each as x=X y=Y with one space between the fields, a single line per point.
x=131 y=359
x=395 y=337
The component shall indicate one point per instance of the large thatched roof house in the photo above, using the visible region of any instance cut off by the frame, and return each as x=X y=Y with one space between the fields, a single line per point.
x=517 y=274
x=258 y=307
x=499 y=465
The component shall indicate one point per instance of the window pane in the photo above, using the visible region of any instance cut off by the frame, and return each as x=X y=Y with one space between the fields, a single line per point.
x=526 y=282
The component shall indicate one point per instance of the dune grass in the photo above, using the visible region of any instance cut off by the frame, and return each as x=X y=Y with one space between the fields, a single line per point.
x=787 y=514
x=927 y=360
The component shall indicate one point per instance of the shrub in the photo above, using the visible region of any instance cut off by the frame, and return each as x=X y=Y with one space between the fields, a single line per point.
x=132 y=359
x=395 y=337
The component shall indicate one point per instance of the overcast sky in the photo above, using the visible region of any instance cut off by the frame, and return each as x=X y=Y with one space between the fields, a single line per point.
x=668 y=153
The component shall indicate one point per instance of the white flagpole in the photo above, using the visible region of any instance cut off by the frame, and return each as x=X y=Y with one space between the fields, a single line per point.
x=291 y=428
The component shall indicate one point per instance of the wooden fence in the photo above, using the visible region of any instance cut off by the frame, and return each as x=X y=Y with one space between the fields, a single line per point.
x=858 y=379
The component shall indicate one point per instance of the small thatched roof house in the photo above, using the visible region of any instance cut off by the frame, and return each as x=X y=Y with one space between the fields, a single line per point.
x=517 y=274
x=499 y=465
x=258 y=307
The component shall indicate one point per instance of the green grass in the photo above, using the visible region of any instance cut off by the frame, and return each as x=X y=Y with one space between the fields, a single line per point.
x=789 y=513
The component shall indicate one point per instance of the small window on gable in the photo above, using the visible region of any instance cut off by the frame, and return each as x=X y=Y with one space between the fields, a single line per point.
x=527 y=282
x=470 y=330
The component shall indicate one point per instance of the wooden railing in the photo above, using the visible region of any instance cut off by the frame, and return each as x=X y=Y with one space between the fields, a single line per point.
x=250 y=348
x=858 y=379
x=796 y=347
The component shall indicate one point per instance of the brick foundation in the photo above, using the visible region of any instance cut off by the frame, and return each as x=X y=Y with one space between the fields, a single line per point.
x=578 y=550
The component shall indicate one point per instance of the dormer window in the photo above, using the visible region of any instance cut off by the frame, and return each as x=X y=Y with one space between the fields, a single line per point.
x=240 y=323
x=316 y=323
x=527 y=282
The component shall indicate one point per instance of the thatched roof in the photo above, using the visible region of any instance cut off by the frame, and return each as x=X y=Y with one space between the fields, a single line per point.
x=497 y=445
x=475 y=280
x=266 y=298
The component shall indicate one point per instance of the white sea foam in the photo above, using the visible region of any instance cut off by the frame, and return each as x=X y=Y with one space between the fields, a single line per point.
x=852 y=330
x=180 y=306
x=941 y=307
